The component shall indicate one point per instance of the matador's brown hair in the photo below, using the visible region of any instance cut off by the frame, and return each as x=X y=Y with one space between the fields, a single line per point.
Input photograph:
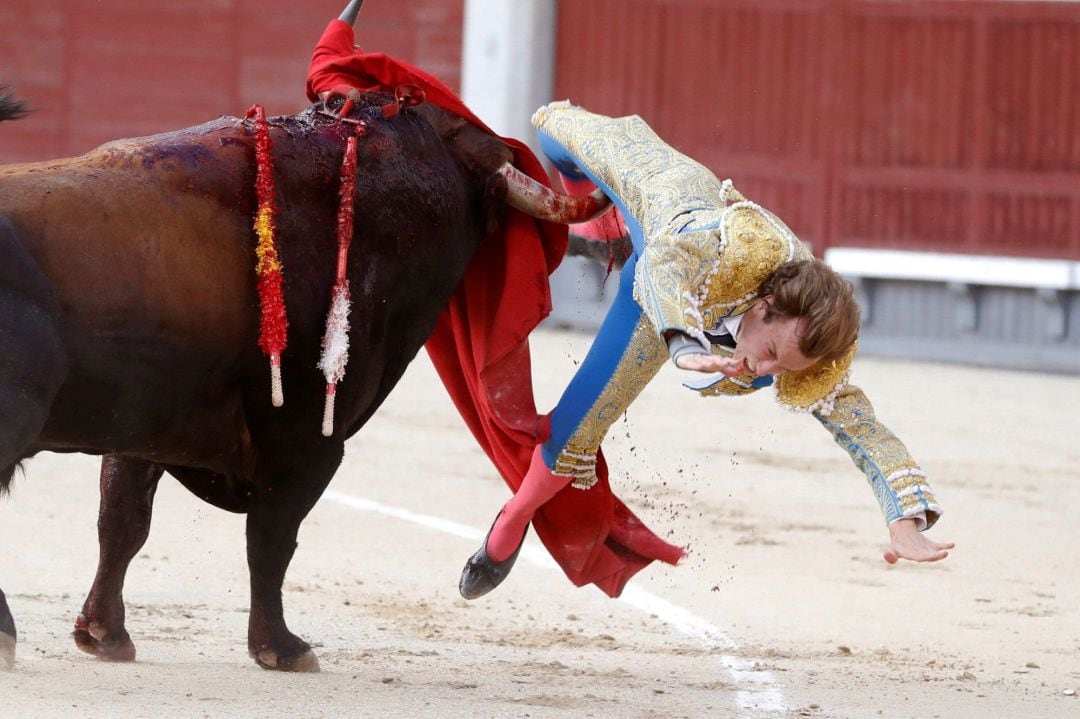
x=812 y=289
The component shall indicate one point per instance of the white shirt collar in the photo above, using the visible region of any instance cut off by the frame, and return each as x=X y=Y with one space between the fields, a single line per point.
x=732 y=324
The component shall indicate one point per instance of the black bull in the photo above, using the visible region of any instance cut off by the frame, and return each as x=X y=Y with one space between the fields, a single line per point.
x=129 y=322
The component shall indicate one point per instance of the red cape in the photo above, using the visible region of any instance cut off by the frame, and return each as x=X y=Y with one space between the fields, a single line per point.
x=480 y=344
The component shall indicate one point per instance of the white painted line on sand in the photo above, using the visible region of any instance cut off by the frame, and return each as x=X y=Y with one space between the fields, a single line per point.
x=765 y=697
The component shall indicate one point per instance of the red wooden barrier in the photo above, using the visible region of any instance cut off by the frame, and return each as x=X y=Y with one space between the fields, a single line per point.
x=944 y=125
x=97 y=70
x=951 y=126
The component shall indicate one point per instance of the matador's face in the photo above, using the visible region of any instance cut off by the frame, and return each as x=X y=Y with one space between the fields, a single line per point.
x=767 y=346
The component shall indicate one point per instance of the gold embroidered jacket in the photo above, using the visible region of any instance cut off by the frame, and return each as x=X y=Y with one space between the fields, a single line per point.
x=707 y=249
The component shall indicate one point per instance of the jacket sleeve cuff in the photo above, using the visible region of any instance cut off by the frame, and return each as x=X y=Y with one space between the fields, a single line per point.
x=680 y=345
x=919 y=517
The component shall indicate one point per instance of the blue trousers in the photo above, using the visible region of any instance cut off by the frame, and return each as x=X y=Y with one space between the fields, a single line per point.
x=626 y=353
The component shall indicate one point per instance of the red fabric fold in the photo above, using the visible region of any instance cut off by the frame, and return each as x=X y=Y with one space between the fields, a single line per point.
x=480 y=344
x=605 y=228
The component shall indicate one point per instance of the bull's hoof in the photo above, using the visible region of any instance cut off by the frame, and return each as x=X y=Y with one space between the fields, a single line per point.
x=7 y=651
x=306 y=661
x=112 y=647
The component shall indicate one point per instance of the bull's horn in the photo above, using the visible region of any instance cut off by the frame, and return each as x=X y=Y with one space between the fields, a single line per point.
x=526 y=194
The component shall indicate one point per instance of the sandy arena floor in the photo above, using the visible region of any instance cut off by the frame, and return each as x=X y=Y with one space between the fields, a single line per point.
x=784 y=607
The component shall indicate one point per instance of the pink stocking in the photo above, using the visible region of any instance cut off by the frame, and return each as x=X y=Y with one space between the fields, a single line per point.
x=538 y=486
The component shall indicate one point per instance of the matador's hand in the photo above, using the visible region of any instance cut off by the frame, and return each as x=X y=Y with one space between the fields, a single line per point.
x=728 y=366
x=907 y=542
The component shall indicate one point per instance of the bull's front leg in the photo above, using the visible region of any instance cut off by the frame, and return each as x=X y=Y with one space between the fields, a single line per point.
x=288 y=488
x=127 y=500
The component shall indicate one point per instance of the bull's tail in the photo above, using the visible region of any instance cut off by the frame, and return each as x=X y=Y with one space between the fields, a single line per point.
x=11 y=108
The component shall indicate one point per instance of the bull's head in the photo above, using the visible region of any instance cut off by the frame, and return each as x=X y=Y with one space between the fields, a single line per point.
x=488 y=155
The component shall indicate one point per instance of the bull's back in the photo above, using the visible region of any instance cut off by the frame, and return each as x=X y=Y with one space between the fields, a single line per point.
x=128 y=243
x=152 y=288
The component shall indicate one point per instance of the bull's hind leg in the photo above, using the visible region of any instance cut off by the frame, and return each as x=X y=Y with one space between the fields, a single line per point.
x=7 y=635
x=289 y=485
x=32 y=364
x=127 y=501
x=32 y=368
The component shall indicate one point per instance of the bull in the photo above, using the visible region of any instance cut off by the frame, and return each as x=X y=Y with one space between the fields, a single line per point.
x=130 y=319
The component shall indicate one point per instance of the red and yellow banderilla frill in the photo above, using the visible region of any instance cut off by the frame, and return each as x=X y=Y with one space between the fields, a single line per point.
x=273 y=324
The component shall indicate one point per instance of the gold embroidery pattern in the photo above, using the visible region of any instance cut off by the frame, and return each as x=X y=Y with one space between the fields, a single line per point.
x=676 y=200
x=730 y=387
x=754 y=243
x=900 y=486
x=815 y=389
x=644 y=355
x=578 y=462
